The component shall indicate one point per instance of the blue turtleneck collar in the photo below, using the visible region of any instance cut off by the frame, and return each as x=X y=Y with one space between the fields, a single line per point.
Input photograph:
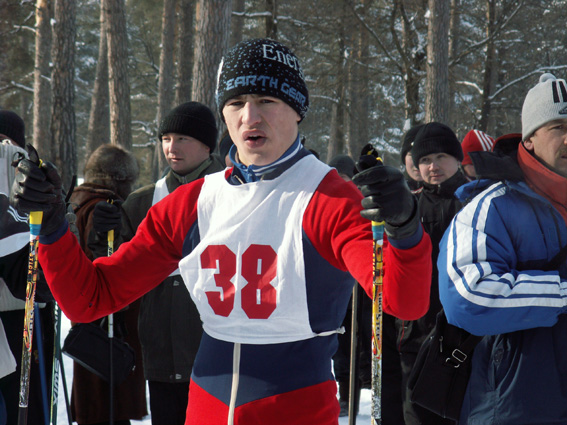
x=254 y=173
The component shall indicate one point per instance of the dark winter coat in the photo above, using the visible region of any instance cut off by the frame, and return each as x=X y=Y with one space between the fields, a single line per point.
x=169 y=325
x=90 y=395
x=437 y=205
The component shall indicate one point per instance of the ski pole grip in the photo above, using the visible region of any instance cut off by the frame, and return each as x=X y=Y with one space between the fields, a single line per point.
x=35 y=222
x=378 y=231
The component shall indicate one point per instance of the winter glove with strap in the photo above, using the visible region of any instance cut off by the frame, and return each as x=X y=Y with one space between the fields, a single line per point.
x=387 y=198
x=38 y=187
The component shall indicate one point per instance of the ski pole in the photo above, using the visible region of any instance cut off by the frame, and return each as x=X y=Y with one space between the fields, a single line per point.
x=353 y=385
x=42 y=371
x=376 y=400
x=57 y=359
x=55 y=365
x=35 y=218
x=110 y=238
x=65 y=390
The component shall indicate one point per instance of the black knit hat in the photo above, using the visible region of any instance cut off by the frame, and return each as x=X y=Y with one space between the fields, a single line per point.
x=12 y=125
x=344 y=165
x=435 y=137
x=409 y=137
x=262 y=66
x=191 y=119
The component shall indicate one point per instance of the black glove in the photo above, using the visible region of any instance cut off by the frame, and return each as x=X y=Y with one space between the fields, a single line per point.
x=387 y=198
x=39 y=188
x=107 y=216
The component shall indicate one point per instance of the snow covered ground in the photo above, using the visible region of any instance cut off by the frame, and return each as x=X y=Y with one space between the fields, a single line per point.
x=362 y=418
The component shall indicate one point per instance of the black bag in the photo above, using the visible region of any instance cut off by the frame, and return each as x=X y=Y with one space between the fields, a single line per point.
x=89 y=345
x=441 y=373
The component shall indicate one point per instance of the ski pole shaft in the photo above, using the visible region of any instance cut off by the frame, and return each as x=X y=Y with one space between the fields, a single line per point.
x=55 y=366
x=35 y=226
x=376 y=400
x=353 y=375
x=110 y=238
x=65 y=389
x=42 y=371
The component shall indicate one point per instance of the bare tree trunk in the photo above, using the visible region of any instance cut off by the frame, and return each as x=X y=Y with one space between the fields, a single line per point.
x=337 y=134
x=237 y=24
x=488 y=66
x=99 y=117
x=42 y=86
x=412 y=67
x=165 y=84
x=184 y=54
x=119 y=88
x=437 y=83
x=358 y=112
x=454 y=38
x=63 y=125
x=272 y=19
x=213 y=27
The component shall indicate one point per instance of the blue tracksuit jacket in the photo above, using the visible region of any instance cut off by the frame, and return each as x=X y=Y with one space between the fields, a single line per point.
x=492 y=282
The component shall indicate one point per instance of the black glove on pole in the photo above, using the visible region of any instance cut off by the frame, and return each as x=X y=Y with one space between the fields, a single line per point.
x=387 y=198
x=107 y=216
x=38 y=187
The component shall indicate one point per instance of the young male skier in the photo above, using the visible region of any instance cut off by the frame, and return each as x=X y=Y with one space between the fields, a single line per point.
x=269 y=250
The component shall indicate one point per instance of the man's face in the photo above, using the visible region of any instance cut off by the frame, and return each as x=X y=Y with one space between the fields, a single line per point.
x=549 y=145
x=261 y=127
x=183 y=153
x=411 y=169
x=437 y=167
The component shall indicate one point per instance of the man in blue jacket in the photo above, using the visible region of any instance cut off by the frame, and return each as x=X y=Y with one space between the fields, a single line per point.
x=502 y=269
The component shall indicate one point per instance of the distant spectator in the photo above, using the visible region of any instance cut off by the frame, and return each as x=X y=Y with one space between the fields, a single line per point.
x=474 y=141
x=345 y=166
x=414 y=177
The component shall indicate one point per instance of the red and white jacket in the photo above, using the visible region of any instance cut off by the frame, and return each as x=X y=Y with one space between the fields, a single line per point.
x=270 y=266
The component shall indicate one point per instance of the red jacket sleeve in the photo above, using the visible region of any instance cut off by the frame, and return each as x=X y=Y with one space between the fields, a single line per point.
x=333 y=223
x=89 y=290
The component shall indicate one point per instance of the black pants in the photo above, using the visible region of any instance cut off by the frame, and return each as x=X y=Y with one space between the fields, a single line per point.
x=168 y=402
x=392 y=408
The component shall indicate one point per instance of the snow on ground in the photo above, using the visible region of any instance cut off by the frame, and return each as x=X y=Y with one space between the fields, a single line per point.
x=362 y=418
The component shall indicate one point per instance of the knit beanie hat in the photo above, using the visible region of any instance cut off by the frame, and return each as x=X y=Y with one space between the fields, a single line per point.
x=474 y=141
x=344 y=165
x=435 y=137
x=191 y=119
x=545 y=102
x=262 y=66
x=12 y=125
x=409 y=137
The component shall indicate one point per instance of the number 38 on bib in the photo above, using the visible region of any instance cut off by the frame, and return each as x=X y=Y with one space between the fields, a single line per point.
x=258 y=267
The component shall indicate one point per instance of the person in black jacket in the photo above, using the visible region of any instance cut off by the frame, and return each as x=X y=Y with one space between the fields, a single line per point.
x=14 y=255
x=169 y=324
x=437 y=153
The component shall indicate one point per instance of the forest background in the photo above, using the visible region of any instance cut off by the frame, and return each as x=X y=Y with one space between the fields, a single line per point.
x=86 y=72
